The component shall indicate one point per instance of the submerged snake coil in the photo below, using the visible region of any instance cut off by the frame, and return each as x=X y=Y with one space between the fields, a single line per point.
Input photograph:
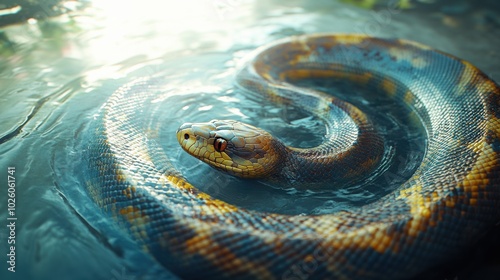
x=450 y=201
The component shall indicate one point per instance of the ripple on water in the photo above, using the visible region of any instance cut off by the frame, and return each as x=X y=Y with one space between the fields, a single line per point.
x=189 y=98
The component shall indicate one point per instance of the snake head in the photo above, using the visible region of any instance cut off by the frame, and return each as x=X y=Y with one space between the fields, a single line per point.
x=237 y=148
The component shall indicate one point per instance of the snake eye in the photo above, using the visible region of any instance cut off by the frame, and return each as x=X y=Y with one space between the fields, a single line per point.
x=220 y=144
x=186 y=136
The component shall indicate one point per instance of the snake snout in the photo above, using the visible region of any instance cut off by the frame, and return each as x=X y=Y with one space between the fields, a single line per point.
x=193 y=136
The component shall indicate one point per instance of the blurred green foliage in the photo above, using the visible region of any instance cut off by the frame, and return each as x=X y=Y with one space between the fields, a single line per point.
x=370 y=4
x=26 y=9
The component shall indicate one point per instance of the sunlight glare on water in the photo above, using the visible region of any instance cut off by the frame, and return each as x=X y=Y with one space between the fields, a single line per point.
x=167 y=25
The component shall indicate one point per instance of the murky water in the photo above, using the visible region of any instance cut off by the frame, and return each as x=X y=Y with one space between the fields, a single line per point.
x=56 y=74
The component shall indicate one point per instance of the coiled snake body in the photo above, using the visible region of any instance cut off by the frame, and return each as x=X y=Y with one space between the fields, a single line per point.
x=450 y=201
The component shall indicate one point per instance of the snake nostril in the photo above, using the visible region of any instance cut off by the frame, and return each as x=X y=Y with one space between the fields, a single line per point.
x=186 y=136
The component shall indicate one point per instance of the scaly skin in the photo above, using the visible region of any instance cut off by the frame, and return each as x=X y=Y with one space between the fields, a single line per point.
x=449 y=202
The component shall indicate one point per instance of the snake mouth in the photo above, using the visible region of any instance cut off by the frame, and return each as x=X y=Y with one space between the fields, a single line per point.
x=185 y=137
x=183 y=132
x=196 y=138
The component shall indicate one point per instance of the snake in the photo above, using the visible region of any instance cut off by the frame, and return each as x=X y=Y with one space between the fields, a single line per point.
x=450 y=201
